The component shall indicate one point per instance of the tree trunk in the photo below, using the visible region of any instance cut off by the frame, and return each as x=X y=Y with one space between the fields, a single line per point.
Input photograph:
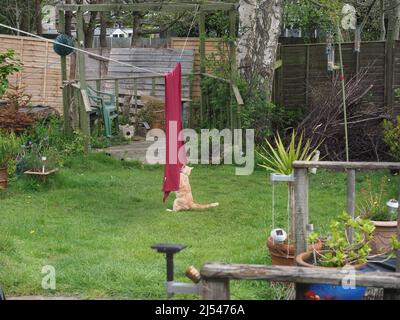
x=394 y=20
x=103 y=28
x=89 y=30
x=136 y=22
x=38 y=17
x=260 y=28
x=68 y=20
x=383 y=25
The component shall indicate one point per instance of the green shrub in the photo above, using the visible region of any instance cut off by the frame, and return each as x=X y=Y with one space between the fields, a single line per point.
x=373 y=205
x=391 y=136
x=340 y=251
x=50 y=133
x=8 y=66
x=10 y=145
x=258 y=112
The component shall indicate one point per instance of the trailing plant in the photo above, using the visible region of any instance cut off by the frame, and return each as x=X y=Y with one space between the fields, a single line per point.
x=340 y=251
x=373 y=205
x=8 y=65
x=391 y=136
x=10 y=144
x=279 y=158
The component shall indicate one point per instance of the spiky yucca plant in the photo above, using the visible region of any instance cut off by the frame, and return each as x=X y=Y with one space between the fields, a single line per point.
x=279 y=159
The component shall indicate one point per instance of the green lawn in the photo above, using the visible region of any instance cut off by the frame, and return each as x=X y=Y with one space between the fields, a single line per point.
x=97 y=218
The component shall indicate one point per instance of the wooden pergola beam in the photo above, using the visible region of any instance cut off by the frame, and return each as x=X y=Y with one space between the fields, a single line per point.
x=174 y=7
x=335 y=165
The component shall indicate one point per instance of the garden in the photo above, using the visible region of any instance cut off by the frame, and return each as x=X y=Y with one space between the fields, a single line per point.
x=81 y=200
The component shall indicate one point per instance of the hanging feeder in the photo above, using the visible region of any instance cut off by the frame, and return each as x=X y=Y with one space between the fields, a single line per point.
x=60 y=44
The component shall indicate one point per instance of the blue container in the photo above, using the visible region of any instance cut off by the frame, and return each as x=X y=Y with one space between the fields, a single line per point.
x=331 y=292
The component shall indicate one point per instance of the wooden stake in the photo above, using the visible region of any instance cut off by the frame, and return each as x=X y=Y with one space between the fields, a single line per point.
x=351 y=198
x=202 y=29
x=84 y=117
x=66 y=92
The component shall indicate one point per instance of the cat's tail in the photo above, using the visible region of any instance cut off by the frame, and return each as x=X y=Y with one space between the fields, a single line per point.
x=205 y=206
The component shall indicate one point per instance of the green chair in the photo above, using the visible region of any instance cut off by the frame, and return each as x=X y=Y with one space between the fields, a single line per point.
x=104 y=105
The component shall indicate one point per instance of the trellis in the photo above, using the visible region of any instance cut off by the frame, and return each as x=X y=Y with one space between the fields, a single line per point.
x=202 y=8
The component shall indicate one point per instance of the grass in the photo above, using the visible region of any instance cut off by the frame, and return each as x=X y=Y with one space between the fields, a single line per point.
x=97 y=218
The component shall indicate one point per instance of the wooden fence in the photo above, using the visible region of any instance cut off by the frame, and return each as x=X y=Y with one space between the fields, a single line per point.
x=41 y=74
x=216 y=276
x=305 y=67
x=212 y=45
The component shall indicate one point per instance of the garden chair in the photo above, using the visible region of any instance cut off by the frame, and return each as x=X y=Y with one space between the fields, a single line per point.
x=104 y=105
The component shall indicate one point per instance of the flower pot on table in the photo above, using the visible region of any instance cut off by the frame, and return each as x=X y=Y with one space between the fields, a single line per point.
x=282 y=254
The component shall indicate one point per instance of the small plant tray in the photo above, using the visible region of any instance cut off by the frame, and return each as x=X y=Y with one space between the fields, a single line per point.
x=40 y=173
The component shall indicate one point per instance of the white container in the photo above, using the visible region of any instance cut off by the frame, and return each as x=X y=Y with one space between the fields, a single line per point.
x=276 y=177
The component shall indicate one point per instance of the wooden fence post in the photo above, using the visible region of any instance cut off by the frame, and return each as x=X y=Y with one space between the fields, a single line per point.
x=202 y=36
x=215 y=289
x=392 y=294
x=301 y=210
x=351 y=198
x=389 y=72
x=232 y=62
x=66 y=92
x=300 y=219
x=307 y=98
x=83 y=115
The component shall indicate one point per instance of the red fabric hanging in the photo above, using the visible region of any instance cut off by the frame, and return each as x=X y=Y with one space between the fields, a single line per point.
x=173 y=128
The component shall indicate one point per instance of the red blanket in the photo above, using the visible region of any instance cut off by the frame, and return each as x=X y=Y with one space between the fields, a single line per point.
x=173 y=127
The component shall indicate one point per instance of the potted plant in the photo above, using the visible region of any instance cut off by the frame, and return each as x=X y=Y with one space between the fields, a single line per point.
x=278 y=160
x=41 y=160
x=341 y=251
x=383 y=215
x=9 y=146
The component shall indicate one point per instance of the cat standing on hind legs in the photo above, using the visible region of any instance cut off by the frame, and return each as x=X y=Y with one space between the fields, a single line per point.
x=184 y=198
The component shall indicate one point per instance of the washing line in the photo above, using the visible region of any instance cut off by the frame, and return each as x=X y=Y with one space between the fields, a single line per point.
x=190 y=29
x=81 y=50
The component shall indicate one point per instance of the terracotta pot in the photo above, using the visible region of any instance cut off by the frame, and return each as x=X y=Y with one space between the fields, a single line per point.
x=384 y=231
x=305 y=260
x=283 y=254
x=319 y=291
x=3 y=178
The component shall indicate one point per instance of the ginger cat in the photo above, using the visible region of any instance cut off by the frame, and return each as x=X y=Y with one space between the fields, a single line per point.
x=184 y=197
